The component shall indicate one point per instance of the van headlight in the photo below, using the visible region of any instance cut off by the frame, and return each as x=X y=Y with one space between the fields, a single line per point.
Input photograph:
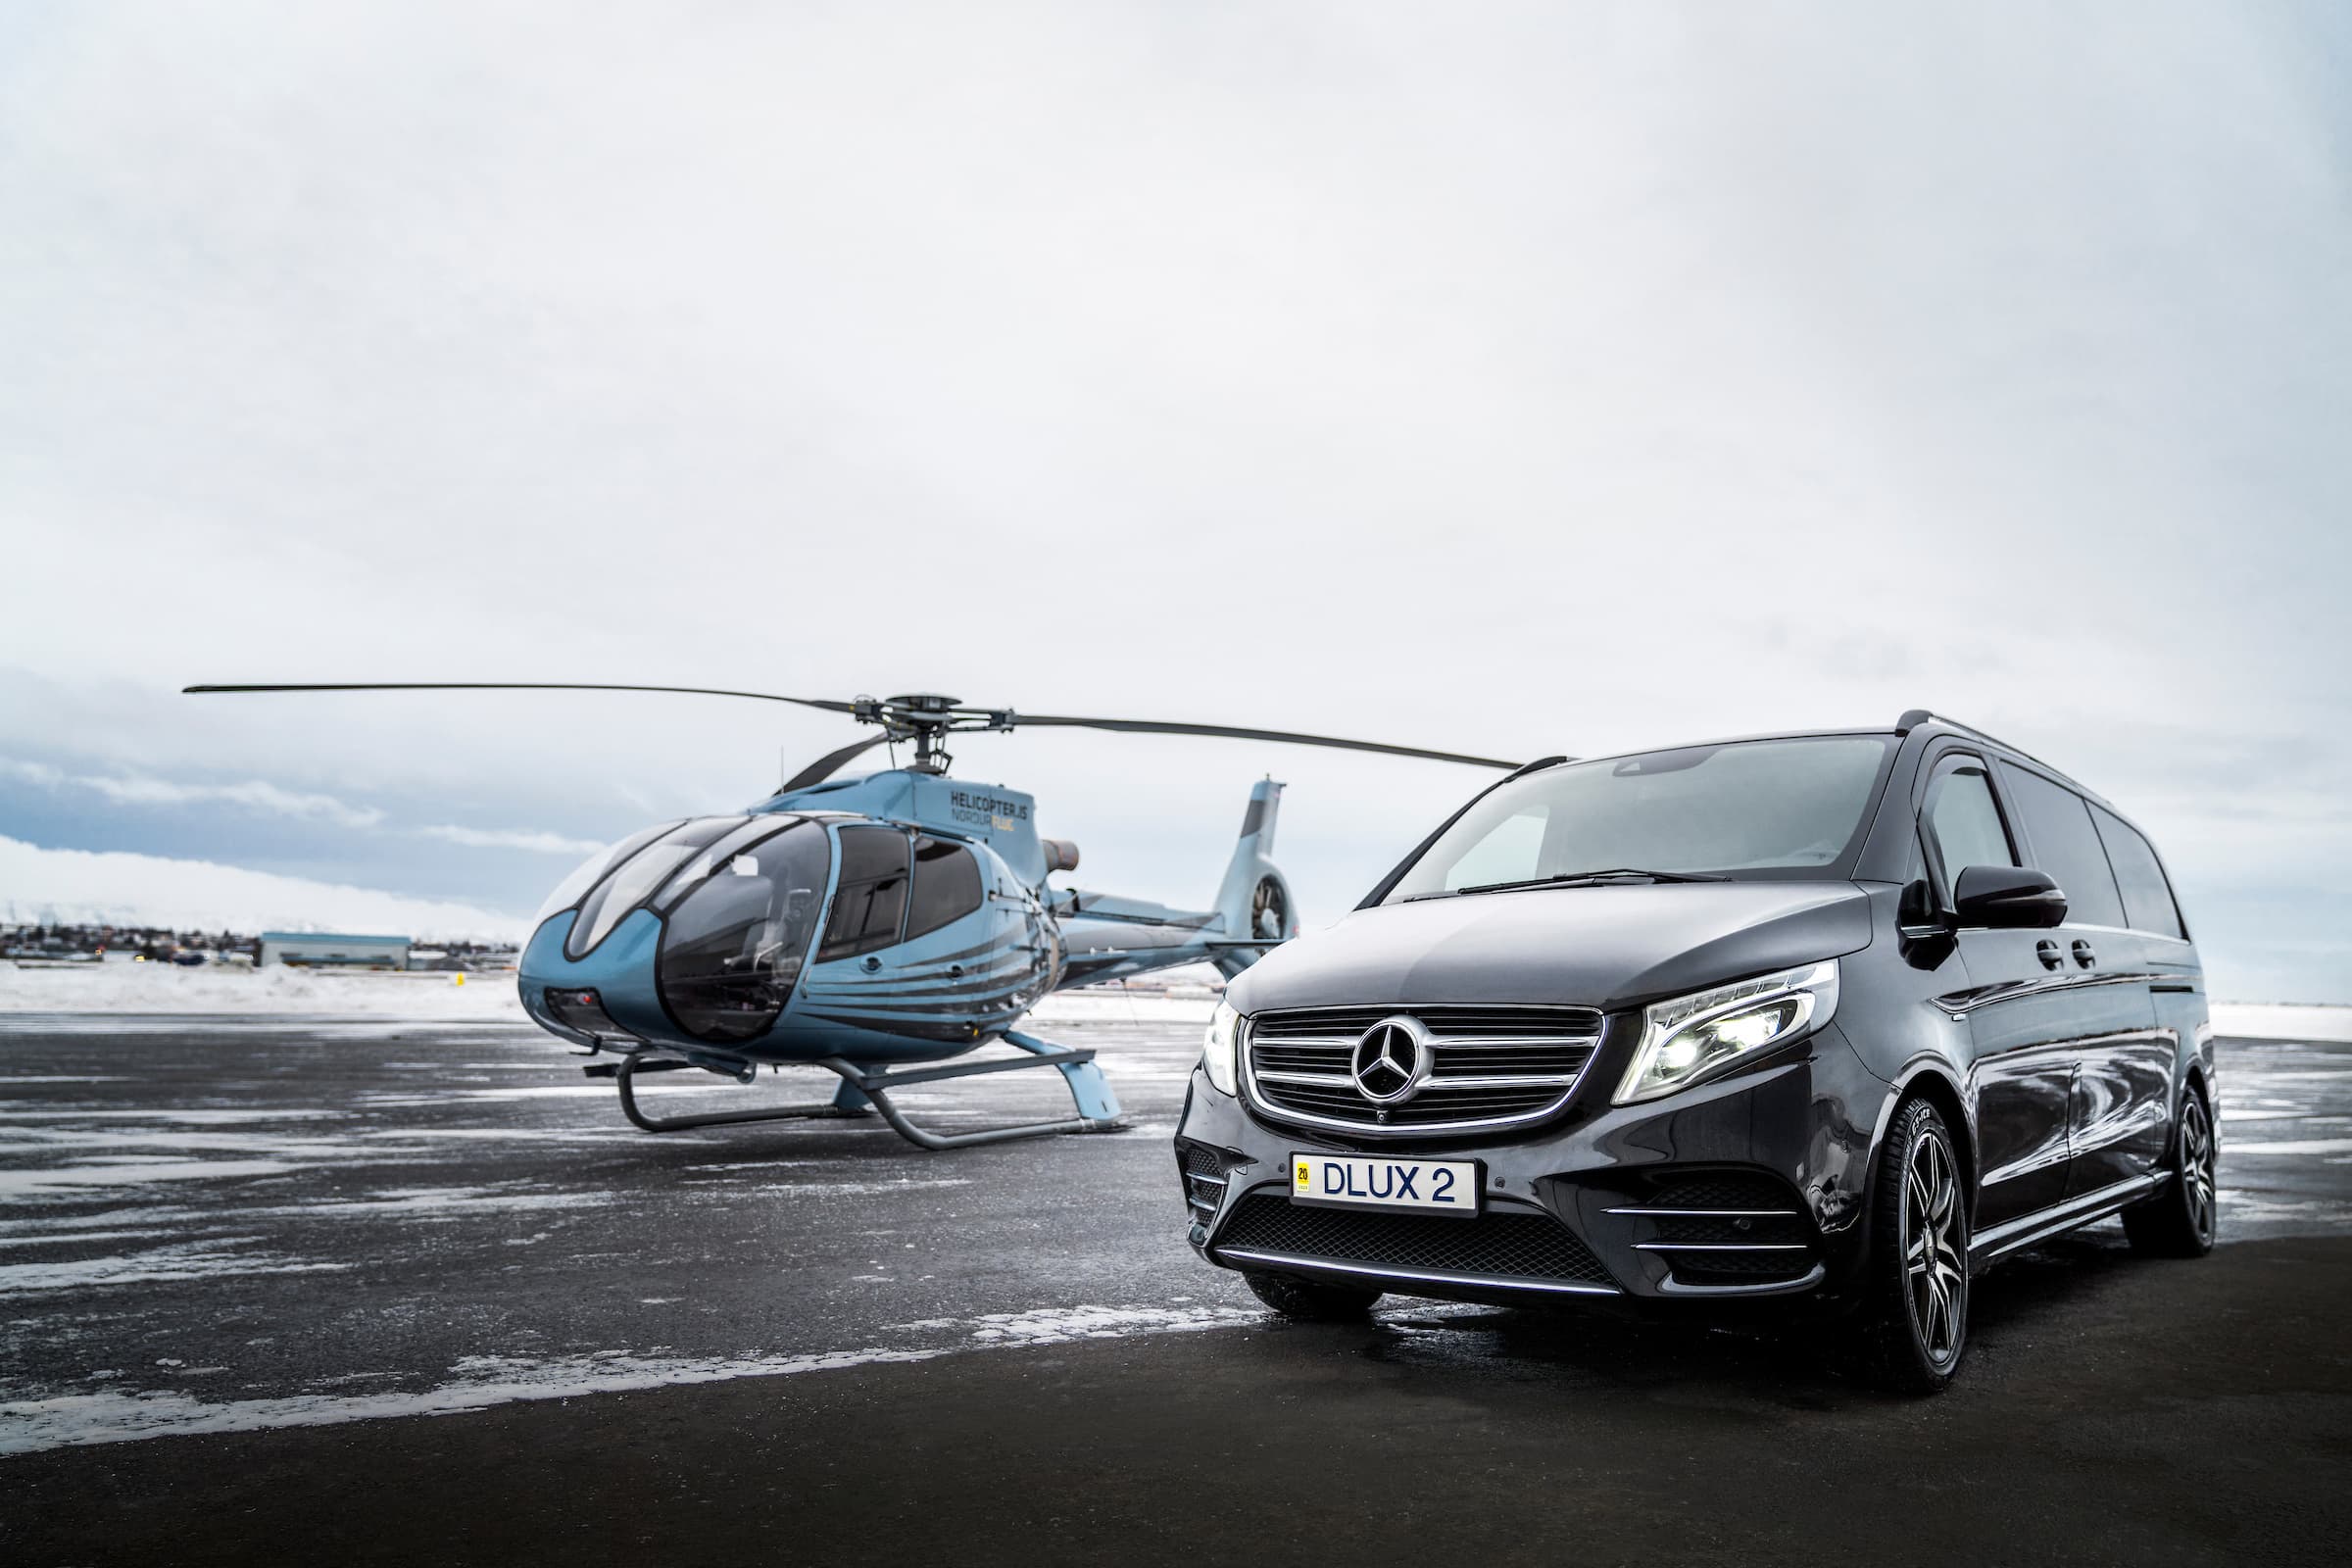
x=1688 y=1037
x=1217 y=1049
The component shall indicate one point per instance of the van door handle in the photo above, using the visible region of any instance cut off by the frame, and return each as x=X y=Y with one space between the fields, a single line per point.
x=2048 y=952
x=2084 y=954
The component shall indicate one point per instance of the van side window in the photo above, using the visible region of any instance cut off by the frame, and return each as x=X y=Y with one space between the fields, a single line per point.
x=871 y=895
x=1962 y=823
x=2148 y=901
x=947 y=886
x=2064 y=843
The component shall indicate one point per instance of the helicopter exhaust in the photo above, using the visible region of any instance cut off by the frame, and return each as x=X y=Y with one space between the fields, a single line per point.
x=1060 y=853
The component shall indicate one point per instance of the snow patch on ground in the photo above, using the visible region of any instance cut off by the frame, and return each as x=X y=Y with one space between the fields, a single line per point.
x=167 y=988
x=71 y=1178
x=1058 y=1325
x=114 y=1415
x=193 y=1260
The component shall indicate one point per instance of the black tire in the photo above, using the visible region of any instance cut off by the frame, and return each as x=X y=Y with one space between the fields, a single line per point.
x=1312 y=1303
x=2179 y=1221
x=1914 y=1326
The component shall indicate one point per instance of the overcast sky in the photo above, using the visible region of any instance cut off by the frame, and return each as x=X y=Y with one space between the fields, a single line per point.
x=1518 y=380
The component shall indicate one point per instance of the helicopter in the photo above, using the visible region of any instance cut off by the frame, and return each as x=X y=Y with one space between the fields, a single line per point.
x=876 y=925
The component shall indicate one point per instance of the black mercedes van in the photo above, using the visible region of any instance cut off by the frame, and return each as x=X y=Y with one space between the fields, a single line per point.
x=1821 y=1021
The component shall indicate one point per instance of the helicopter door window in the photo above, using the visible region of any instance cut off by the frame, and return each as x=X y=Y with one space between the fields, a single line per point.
x=732 y=947
x=947 y=886
x=870 y=900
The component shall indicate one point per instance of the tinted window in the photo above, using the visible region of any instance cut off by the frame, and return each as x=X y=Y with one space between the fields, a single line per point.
x=2065 y=845
x=2148 y=903
x=947 y=886
x=1791 y=807
x=1963 y=822
x=872 y=892
x=731 y=949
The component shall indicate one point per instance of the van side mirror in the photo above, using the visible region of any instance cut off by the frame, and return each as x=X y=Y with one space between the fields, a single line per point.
x=2007 y=898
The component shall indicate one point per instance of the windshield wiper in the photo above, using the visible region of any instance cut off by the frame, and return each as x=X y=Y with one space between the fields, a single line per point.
x=1572 y=879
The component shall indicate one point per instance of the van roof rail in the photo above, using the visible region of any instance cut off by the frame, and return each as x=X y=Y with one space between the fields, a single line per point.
x=1914 y=717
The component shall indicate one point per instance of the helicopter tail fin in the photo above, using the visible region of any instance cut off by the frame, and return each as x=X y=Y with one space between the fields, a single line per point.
x=1254 y=901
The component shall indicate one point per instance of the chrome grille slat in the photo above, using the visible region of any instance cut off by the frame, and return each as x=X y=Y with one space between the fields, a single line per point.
x=1723 y=1229
x=1490 y=1067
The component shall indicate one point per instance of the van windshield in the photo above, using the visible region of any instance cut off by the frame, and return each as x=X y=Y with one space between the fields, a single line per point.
x=1777 y=808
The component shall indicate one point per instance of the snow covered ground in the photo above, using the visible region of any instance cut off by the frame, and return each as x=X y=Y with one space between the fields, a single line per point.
x=2279 y=1020
x=218 y=988
x=163 y=988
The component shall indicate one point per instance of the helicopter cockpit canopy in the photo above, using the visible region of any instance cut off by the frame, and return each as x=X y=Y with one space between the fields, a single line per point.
x=738 y=896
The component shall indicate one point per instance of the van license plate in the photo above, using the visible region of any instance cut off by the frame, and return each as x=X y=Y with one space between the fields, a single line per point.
x=1422 y=1186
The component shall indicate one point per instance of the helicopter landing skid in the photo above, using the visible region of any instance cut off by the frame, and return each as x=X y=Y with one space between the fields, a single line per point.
x=863 y=1089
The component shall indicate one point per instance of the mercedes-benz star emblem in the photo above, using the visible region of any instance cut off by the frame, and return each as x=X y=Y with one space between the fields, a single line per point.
x=1390 y=1059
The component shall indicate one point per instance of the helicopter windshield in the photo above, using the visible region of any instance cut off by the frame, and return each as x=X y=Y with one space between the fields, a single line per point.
x=592 y=870
x=634 y=876
x=737 y=922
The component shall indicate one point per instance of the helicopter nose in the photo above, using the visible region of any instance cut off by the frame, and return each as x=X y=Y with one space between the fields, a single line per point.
x=690 y=931
x=606 y=997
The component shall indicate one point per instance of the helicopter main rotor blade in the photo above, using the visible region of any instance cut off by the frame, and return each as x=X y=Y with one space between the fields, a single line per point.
x=822 y=769
x=1144 y=726
x=886 y=712
x=521 y=686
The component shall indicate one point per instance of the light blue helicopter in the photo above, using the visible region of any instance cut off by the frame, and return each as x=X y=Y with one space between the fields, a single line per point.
x=875 y=926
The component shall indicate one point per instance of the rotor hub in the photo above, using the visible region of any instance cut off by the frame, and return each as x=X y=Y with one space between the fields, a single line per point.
x=924 y=718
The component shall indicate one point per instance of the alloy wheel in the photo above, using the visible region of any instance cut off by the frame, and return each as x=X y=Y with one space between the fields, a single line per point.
x=1934 y=1262
x=2196 y=1164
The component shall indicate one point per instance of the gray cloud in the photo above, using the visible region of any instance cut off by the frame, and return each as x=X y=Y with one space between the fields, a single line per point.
x=255 y=795
x=537 y=843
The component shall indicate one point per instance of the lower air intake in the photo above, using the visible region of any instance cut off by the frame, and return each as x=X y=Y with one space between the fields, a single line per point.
x=1203 y=1169
x=1507 y=1246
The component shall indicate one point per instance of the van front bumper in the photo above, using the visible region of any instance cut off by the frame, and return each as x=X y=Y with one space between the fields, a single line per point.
x=1749 y=1188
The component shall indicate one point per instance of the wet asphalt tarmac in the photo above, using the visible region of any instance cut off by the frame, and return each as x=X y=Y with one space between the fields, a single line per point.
x=279 y=1290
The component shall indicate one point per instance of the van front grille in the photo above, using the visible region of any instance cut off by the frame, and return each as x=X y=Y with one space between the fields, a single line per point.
x=1508 y=1246
x=1486 y=1068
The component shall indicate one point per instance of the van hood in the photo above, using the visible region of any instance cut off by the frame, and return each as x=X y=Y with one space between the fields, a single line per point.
x=1609 y=946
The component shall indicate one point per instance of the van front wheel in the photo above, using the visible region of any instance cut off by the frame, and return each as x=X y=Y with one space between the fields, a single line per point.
x=1916 y=1326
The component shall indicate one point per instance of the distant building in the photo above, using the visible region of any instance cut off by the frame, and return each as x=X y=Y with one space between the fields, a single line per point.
x=324 y=950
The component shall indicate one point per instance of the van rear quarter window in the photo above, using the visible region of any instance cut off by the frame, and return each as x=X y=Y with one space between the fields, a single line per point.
x=2148 y=901
x=2065 y=845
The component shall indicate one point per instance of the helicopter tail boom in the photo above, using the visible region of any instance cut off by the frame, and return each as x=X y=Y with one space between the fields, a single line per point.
x=1107 y=937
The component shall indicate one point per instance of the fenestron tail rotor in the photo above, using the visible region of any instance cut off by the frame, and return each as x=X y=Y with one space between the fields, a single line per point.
x=1269 y=910
x=922 y=718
